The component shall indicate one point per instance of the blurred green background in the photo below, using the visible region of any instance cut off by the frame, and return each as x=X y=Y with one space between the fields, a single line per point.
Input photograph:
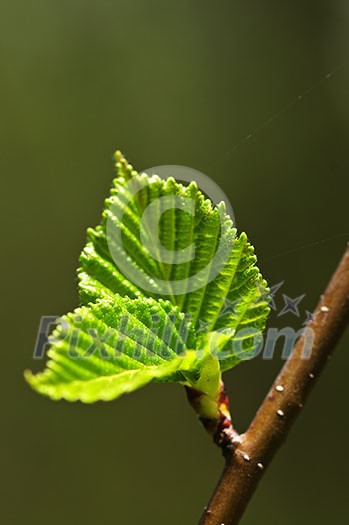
x=180 y=82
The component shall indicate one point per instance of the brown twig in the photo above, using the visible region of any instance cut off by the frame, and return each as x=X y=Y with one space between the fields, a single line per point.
x=254 y=450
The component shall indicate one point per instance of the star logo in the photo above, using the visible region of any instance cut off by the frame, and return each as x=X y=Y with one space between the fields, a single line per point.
x=309 y=317
x=203 y=326
x=272 y=293
x=229 y=307
x=291 y=305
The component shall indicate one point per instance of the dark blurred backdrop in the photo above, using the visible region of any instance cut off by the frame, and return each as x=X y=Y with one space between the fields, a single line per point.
x=181 y=82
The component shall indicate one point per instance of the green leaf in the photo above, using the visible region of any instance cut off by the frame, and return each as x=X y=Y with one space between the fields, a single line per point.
x=115 y=346
x=235 y=299
x=176 y=299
